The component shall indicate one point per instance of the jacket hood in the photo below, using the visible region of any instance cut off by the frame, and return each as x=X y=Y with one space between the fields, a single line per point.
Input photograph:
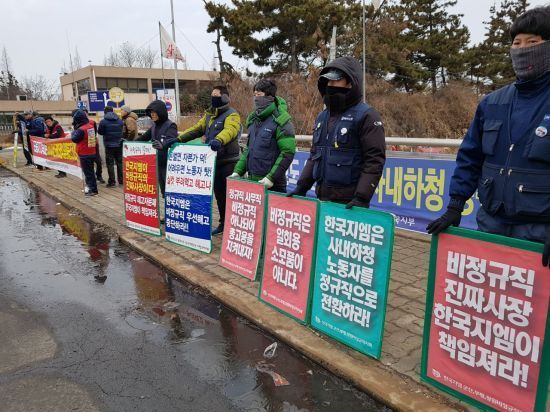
x=79 y=118
x=159 y=107
x=351 y=67
x=132 y=115
x=111 y=116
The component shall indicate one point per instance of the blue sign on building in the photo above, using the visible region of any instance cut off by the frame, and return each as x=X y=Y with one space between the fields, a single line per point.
x=98 y=99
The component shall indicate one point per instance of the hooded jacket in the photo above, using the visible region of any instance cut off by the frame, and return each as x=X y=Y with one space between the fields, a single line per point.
x=84 y=135
x=130 y=129
x=348 y=152
x=110 y=127
x=163 y=130
x=36 y=127
x=271 y=144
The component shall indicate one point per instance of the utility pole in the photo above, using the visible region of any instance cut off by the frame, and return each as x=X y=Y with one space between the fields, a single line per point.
x=376 y=4
x=332 y=55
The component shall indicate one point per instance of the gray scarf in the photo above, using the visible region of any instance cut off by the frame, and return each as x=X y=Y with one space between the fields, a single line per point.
x=531 y=62
x=261 y=102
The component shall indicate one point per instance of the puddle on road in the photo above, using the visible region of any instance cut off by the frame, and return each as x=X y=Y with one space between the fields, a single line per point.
x=93 y=269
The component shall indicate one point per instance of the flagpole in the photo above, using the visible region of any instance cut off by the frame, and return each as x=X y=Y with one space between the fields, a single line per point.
x=175 y=63
x=162 y=62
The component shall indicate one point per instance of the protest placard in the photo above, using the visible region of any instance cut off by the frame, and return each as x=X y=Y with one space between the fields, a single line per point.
x=58 y=156
x=288 y=255
x=189 y=187
x=140 y=187
x=486 y=326
x=244 y=224
x=352 y=271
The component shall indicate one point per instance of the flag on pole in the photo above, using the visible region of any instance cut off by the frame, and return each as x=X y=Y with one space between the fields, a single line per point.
x=169 y=49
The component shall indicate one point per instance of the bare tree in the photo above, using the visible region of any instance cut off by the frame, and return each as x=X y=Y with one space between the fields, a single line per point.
x=112 y=59
x=39 y=88
x=147 y=58
x=9 y=86
x=128 y=54
x=77 y=63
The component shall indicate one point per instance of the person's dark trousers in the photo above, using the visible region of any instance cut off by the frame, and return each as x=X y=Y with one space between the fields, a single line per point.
x=114 y=155
x=99 y=168
x=220 y=186
x=161 y=173
x=27 y=152
x=87 y=165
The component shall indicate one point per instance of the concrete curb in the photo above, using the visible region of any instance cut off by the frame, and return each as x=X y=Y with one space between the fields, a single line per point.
x=397 y=391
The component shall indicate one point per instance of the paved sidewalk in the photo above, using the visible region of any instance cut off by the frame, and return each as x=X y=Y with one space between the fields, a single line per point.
x=394 y=381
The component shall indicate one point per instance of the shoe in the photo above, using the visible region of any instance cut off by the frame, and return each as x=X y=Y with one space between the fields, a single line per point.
x=120 y=183
x=161 y=220
x=100 y=180
x=28 y=164
x=60 y=175
x=40 y=167
x=218 y=230
x=91 y=194
x=110 y=184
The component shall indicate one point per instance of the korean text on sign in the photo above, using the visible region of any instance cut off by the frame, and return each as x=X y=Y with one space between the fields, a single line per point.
x=352 y=274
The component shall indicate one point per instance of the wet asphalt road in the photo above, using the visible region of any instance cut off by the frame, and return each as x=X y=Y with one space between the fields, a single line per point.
x=89 y=325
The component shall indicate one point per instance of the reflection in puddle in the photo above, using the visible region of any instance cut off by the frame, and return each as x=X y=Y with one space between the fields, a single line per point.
x=93 y=269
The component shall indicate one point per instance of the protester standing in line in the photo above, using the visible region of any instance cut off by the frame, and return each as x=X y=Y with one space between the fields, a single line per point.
x=271 y=142
x=35 y=127
x=110 y=127
x=21 y=130
x=85 y=137
x=97 y=160
x=220 y=126
x=348 y=151
x=55 y=131
x=130 y=130
x=163 y=134
x=505 y=154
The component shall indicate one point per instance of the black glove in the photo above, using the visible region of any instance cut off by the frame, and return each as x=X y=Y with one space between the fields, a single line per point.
x=546 y=253
x=157 y=145
x=215 y=145
x=357 y=201
x=452 y=216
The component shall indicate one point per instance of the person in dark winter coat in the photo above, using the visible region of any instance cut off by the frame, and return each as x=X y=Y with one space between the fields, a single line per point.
x=110 y=127
x=348 y=151
x=505 y=154
x=35 y=127
x=85 y=138
x=54 y=131
x=221 y=127
x=163 y=133
x=23 y=138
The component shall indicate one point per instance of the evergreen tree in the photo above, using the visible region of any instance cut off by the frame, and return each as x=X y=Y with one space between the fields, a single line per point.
x=494 y=51
x=436 y=39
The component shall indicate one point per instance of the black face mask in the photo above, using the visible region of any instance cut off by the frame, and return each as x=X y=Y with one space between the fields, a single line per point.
x=336 y=98
x=217 y=101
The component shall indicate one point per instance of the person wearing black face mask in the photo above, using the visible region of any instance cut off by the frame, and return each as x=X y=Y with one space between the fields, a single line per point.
x=348 y=151
x=506 y=153
x=220 y=128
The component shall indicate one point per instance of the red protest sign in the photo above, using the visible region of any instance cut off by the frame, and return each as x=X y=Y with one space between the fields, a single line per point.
x=244 y=225
x=288 y=255
x=486 y=320
x=140 y=187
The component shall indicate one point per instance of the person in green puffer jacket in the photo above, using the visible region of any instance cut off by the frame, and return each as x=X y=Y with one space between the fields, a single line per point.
x=271 y=142
x=220 y=128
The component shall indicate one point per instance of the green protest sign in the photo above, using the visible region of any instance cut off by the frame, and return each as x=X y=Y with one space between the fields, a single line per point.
x=354 y=250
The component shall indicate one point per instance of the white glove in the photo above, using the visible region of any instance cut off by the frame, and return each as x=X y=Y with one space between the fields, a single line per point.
x=266 y=182
x=234 y=175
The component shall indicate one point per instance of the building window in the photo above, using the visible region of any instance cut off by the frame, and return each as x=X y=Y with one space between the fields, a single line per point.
x=128 y=85
x=157 y=84
x=83 y=86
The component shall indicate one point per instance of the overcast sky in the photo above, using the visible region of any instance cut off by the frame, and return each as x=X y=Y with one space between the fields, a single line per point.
x=36 y=33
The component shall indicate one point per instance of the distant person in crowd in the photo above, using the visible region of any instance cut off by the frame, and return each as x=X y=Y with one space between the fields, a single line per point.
x=220 y=126
x=21 y=129
x=35 y=127
x=163 y=133
x=505 y=154
x=85 y=137
x=348 y=151
x=271 y=142
x=130 y=131
x=97 y=161
x=110 y=127
x=54 y=131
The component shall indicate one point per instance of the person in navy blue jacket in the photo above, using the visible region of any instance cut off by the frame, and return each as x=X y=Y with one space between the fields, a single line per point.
x=35 y=127
x=110 y=127
x=505 y=154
